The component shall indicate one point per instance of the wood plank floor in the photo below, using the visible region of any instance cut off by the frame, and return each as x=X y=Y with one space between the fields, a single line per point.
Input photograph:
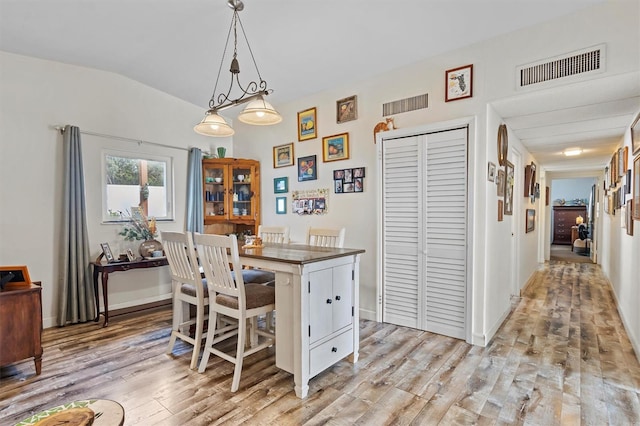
x=561 y=358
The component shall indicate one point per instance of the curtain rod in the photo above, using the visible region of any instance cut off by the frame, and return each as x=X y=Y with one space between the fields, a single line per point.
x=121 y=138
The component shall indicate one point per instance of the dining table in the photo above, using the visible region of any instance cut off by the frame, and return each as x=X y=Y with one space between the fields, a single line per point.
x=317 y=294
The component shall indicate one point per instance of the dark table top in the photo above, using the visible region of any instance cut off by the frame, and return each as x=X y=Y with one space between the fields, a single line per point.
x=297 y=253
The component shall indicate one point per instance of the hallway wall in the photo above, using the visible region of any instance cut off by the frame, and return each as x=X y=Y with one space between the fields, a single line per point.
x=620 y=260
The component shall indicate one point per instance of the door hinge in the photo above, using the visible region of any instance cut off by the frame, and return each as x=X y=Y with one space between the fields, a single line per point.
x=352 y=311
x=309 y=287
x=353 y=275
x=309 y=331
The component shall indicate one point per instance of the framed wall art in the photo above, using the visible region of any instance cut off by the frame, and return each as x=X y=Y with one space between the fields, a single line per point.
x=531 y=220
x=635 y=136
x=307 y=128
x=629 y=218
x=500 y=178
x=280 y=185
x=491 y=172
x=283 y=155
x=508 y=188
x=500 y=210
x=347 y=109
x=307 y=168
x=348 y=180
x=335 y=147
x=281 y=205
x=636 y=188
x=459 y=83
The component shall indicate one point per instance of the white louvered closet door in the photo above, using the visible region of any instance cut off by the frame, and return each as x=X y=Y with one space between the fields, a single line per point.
x=425 y=232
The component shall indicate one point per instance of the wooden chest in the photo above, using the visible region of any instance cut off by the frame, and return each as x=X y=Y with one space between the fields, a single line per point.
x=564 y=217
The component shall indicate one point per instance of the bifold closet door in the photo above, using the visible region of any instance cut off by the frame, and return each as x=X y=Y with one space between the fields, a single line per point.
x=425 y=232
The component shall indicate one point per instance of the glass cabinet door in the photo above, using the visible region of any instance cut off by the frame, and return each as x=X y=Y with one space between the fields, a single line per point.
x=242 y=192
x=215 y=192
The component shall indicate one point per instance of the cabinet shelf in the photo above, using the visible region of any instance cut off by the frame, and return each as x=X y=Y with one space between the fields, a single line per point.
x=219 y=196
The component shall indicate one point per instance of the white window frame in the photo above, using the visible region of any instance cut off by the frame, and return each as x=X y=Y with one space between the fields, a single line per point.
x=169 y=183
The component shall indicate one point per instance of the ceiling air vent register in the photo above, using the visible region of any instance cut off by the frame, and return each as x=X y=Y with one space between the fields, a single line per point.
x=574 y=64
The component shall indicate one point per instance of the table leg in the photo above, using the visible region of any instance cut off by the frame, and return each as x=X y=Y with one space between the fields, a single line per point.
x=105 y=297
x=95 y=291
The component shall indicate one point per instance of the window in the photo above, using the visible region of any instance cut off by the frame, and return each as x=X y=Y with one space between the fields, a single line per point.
x=132 y=180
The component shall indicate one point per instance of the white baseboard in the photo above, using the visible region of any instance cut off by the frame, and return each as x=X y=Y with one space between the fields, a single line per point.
x=632 y=339
x=52 y=321
x=367 y=314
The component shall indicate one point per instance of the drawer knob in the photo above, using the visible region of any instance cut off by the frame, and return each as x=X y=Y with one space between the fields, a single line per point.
x=337 y=297
x=334 y=349
x=329 y=301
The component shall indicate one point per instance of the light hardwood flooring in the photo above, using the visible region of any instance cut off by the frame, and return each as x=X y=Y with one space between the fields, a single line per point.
x=561 y=358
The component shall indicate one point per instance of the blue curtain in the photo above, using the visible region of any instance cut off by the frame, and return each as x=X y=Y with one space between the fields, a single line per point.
x=77 y=297
x=195 y=208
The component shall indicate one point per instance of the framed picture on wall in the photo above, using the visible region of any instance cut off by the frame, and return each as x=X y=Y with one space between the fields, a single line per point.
x=531 y=220
x=347 y=109
x=283 y=155
x=635 y=136
x=307 y=168
x=307 y=124
x=636 y=188
x=508 y=188
x=459 y=83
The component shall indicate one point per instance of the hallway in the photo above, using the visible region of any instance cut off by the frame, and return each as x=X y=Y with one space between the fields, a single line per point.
x=562 y=357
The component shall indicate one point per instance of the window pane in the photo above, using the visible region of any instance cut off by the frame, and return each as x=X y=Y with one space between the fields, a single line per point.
x=131 y=182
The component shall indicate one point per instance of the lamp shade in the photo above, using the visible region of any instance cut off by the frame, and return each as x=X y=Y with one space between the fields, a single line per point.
x=260 y=112
x=213 y=125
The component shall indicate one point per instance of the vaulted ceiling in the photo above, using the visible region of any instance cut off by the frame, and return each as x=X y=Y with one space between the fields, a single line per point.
x=305 y=47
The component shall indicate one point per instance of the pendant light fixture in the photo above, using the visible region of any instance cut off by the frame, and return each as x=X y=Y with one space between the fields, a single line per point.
x=258 y=111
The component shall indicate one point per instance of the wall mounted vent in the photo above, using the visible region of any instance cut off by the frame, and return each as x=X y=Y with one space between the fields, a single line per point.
x=574 y=64
x=405 y=105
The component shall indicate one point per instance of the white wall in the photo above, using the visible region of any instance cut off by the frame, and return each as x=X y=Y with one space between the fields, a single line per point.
x=619 y=254
x=36 y=95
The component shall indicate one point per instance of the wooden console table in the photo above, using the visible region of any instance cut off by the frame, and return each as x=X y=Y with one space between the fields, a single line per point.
x=106 y=268
x=21 y=325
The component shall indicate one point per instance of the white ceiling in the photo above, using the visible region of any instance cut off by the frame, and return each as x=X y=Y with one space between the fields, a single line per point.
x=176 y=46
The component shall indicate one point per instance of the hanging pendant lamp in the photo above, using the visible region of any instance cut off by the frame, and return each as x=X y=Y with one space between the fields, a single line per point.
x=258 y=111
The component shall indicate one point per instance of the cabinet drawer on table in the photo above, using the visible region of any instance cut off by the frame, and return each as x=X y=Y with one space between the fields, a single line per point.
x=330 y=352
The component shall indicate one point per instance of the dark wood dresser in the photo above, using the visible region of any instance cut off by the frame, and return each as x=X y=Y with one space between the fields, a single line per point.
x=21 y=325
x=564 y=217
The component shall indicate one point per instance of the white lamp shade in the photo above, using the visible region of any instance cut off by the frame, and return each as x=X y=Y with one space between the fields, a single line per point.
x=214 y=125
x=260 y=113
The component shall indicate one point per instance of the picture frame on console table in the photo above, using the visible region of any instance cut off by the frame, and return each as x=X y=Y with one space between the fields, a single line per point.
x=14 y=277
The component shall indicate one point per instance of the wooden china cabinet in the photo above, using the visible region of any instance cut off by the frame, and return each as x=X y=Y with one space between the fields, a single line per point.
x=231 y=195
x=564 y=218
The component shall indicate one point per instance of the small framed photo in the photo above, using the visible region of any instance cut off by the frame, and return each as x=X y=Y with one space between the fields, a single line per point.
x=459 y=83
x=500 y=183
x=348 y=176
x=283 y=155
x=335 y=147
x=307 y=168
x=348 y=187
x=531 y=220
x=491 y=172
x=347 y=109
x=130 y=255
x=281 y=185
x=358 y=172
x=338 y=174
x=14 y=277
x=307 y=124
x=358 y=185
x=281 y=205
x=337 y=186
x=106 y=250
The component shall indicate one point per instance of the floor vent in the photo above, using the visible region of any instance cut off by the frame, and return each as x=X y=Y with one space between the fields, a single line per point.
x=586 y=61
x=405 y=105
